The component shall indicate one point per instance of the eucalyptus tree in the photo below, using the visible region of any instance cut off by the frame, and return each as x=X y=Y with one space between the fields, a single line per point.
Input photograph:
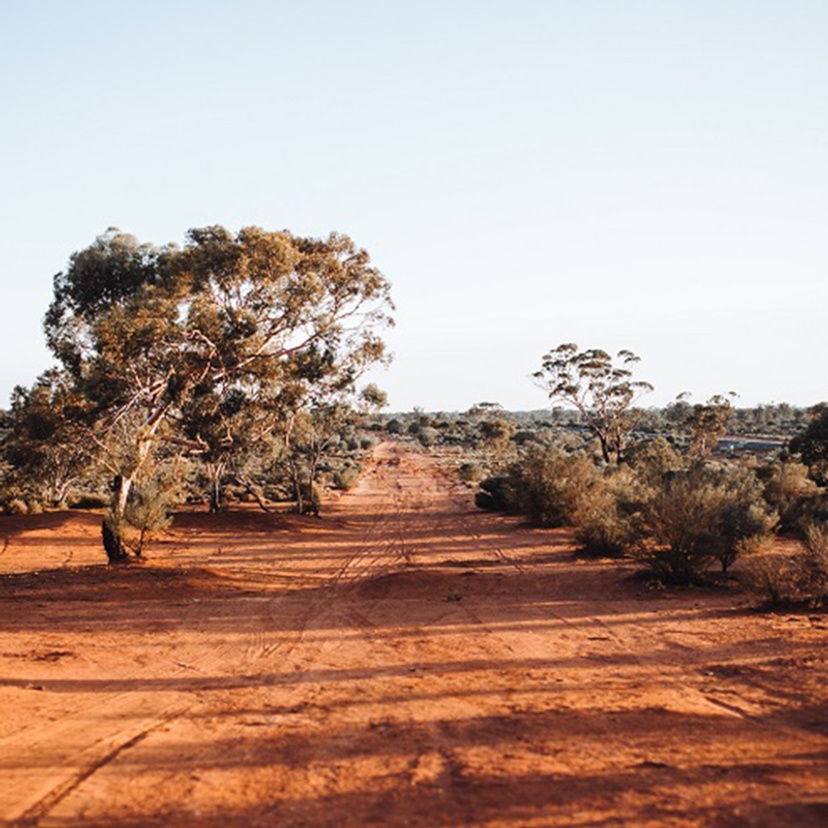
x=44 y=443
x=146 y=332
x=602 y=391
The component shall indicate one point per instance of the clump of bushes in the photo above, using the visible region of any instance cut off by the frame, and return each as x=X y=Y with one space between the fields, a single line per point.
x=702 y=515
x=552 y=487
x=802 y=576
x=677 y=517
x=346 y=478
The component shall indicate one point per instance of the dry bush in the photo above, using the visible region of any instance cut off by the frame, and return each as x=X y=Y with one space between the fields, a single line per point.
x=551 y=487
x=611 y=522
x=705 y=514
x=802 y=577
x=794 y=496
x=472 y=472
x=17 y=506
x=346 y=478
x=815 y=560
x=774 y=578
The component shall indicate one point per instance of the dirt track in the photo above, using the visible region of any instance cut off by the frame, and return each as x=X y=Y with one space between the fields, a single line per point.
x=405 y=660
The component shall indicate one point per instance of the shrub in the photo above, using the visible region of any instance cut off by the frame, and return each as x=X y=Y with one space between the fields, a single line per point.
x=17 y=506
x=146 y=513
x=652 y=460
x=774 y=578
x=494 y=494
x=815 y=561
x=707 y=513
x=552 y=487
x=89 y=500
x=791 y=492
x=346 y=478
x=612 y=522
x=471 y=472
x=427 y=435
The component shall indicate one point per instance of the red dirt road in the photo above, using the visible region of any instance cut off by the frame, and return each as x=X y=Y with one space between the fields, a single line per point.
x=406 y=660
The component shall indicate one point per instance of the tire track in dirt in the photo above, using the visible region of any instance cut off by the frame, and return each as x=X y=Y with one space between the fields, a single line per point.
x=38 y=810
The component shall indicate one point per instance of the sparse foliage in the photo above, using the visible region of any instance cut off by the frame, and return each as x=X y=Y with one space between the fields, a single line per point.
x=602 y=391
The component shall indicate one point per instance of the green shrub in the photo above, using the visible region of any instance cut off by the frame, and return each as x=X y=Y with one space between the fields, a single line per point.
x=147 y=513
x=494 y=494
x=705 y=514
x=611 y=522
x=345 y=479
x=792 y=494
x=551 y=486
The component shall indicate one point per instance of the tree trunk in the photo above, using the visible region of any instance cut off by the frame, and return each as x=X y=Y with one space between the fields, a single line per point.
x=216 y=472
x=116 y=550
x=604 y=448
x=113 y=542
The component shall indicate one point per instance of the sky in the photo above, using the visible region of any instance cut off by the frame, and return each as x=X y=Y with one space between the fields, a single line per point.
x=648 y=175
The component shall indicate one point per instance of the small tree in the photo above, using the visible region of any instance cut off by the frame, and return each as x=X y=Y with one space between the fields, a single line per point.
x=602 y=391
x=47 y=444
x=705 y=422
x=812 y=444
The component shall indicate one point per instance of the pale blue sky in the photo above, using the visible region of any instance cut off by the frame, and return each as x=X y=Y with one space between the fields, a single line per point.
x=644 y=174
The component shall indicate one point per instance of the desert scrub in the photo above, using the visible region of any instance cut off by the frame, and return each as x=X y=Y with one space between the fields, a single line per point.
x=774 y=578
x=815 y=561
x=552 y=487
x=611 y=521
x=705 y=514
x=346 y=478
x=472 y=472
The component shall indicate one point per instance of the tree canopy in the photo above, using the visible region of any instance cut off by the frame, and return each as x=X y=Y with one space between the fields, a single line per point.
x=199 y=345
x=601 y=390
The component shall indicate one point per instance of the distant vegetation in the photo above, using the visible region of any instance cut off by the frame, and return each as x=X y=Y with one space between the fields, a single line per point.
x=683 y=489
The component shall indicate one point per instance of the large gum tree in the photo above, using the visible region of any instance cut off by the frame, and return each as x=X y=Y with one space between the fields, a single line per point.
x=147 y=332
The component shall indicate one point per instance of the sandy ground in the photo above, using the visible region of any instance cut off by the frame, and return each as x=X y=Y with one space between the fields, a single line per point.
x=405 y=660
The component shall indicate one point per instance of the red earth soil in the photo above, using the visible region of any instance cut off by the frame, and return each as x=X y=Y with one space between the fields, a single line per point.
x=404 y=660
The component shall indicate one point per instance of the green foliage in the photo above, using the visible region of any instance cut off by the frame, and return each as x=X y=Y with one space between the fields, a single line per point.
x=794 y=496
x=552 y=487
x=213 y=347
x=702 y=515
x=47 y=443
x=611 y=521
x=812 y=443
x=600 y=390
x=704 y=423
x=148 y=512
